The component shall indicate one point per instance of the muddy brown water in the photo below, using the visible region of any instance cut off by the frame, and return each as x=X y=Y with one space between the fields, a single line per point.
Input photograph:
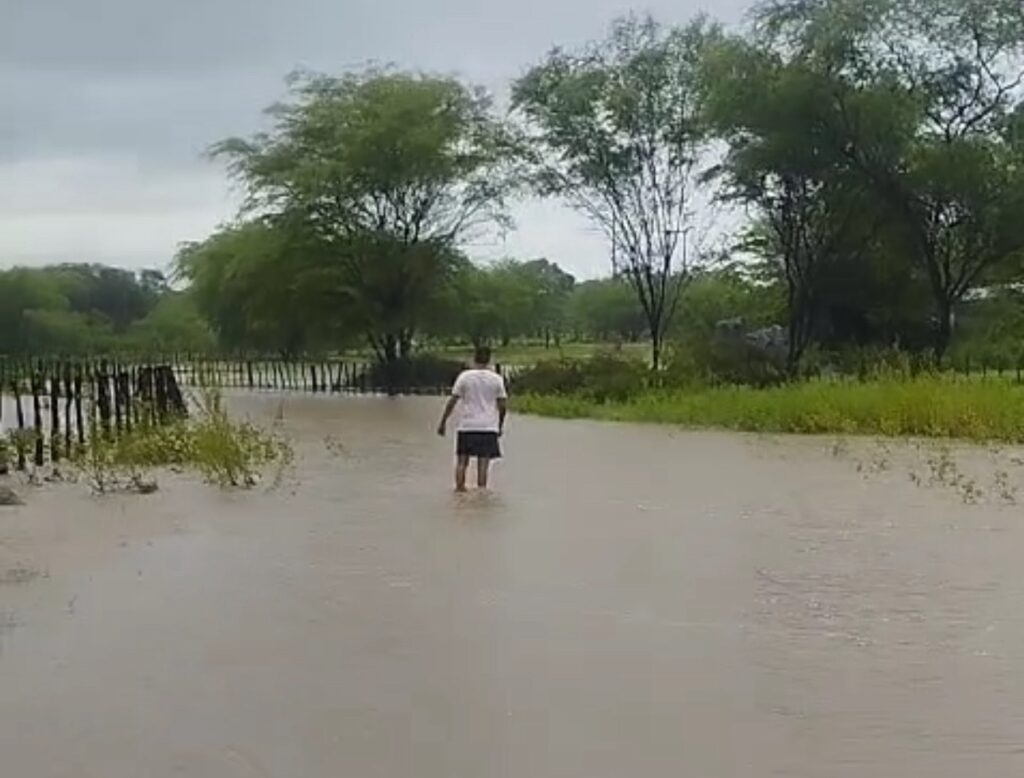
x=630 y=601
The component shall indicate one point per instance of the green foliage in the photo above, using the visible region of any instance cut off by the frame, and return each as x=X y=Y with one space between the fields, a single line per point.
x=508 y=300
x=928 y=407
x=718 y=361
x=75 y=309
x=715 y=296
x=992 y=331
x=421 y=371
x=617 y=131
x=602 y=378
x=225 y=452
x=376 y=176
x=606 y=310
x=875 y=146
x=258 y=287
x=173 y=326
x=921 y=96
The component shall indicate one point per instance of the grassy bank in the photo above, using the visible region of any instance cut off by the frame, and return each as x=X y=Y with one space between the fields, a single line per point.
x=933 y=407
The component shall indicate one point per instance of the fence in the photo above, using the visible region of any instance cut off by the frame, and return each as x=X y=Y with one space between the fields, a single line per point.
x=53 y=408
x=49 y=408
x=321 y=376
x=288 y=375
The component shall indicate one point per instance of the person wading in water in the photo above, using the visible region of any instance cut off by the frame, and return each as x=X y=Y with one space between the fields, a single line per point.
x=480 y=398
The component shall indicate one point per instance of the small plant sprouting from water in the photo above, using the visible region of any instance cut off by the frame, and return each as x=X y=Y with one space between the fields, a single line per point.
x=1005 y=489
x=227 y=453
x=840 y=448
x=944 y=471
x=335 y=448
x=231 y=453
x=938 y=468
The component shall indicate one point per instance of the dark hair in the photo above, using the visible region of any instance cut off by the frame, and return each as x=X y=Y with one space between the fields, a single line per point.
x=482 y=356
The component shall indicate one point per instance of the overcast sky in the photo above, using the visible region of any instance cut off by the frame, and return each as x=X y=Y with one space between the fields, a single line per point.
x=108 y=105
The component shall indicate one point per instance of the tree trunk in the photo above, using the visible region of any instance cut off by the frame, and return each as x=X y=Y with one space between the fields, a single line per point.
x=656 y=346
x=796 y=344
x=405 y=345
x=943 y=329
x=390 y=350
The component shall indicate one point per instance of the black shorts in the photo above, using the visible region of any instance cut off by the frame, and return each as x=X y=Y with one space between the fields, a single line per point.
x=480 y=445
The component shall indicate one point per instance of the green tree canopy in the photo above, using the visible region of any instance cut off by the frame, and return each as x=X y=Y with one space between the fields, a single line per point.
x=382 y=174
x=618 y=132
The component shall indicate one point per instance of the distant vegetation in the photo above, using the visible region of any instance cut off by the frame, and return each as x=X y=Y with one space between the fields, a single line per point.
x=929 y=406
x=77 y=310
x=874 y=148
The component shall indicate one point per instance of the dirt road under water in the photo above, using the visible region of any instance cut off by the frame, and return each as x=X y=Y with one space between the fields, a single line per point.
x=631 y=601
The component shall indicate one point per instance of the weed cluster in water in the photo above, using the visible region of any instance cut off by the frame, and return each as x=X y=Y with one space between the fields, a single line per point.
x=935 y=465
x=223 y=451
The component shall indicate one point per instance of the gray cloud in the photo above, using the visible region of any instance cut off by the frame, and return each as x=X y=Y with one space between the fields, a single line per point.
x=109 y=104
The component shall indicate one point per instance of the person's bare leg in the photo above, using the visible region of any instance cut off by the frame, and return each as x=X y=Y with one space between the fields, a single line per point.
x=483 y=468
x=461 y=466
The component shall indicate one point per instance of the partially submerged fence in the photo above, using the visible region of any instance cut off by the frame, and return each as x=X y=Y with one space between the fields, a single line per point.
x=50 y=410
x=301 y=375
x=431 y=377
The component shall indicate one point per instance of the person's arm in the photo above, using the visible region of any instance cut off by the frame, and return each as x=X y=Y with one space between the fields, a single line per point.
x=502 y=406
x=502 y=413
x=449 y=409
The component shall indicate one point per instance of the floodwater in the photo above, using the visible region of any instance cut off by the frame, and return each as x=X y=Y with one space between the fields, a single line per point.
x=630 y=601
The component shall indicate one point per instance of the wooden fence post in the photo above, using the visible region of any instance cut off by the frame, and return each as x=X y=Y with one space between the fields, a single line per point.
x=39 y=457
x=55 y=413
x=79 y=415
x=20 y=413
x=68 y=405
x=103 y=397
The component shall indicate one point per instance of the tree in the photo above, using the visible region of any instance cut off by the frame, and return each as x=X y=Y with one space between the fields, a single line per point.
x=72 y=309
x=723 y=294
x=511 y=299
x=806 y=209
x=120 y=296
x=606 y=310
x=174 y=326
x=386 y=172
x=618 y=132
x=23 y=291
x=260 y=288
x=923 y=90
x=550 y=289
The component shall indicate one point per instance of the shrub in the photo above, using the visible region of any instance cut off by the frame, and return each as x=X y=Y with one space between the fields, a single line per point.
x=420 y=372
x=551 y=377
x=610 y=379
x=225 y=452
x=603 y=378
x=722 y=361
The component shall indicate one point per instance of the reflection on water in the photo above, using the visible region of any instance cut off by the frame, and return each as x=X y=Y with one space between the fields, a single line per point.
x=627 y=601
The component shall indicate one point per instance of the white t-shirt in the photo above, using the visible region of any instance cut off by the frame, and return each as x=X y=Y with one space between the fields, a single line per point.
x=478 y=392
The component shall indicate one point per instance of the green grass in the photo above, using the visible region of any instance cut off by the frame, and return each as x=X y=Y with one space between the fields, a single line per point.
x=929 y=407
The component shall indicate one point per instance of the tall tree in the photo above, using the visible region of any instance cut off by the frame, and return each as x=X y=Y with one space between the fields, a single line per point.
x=922 y=90
x=806 y=208
x=617 y=132
x=388 y=172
